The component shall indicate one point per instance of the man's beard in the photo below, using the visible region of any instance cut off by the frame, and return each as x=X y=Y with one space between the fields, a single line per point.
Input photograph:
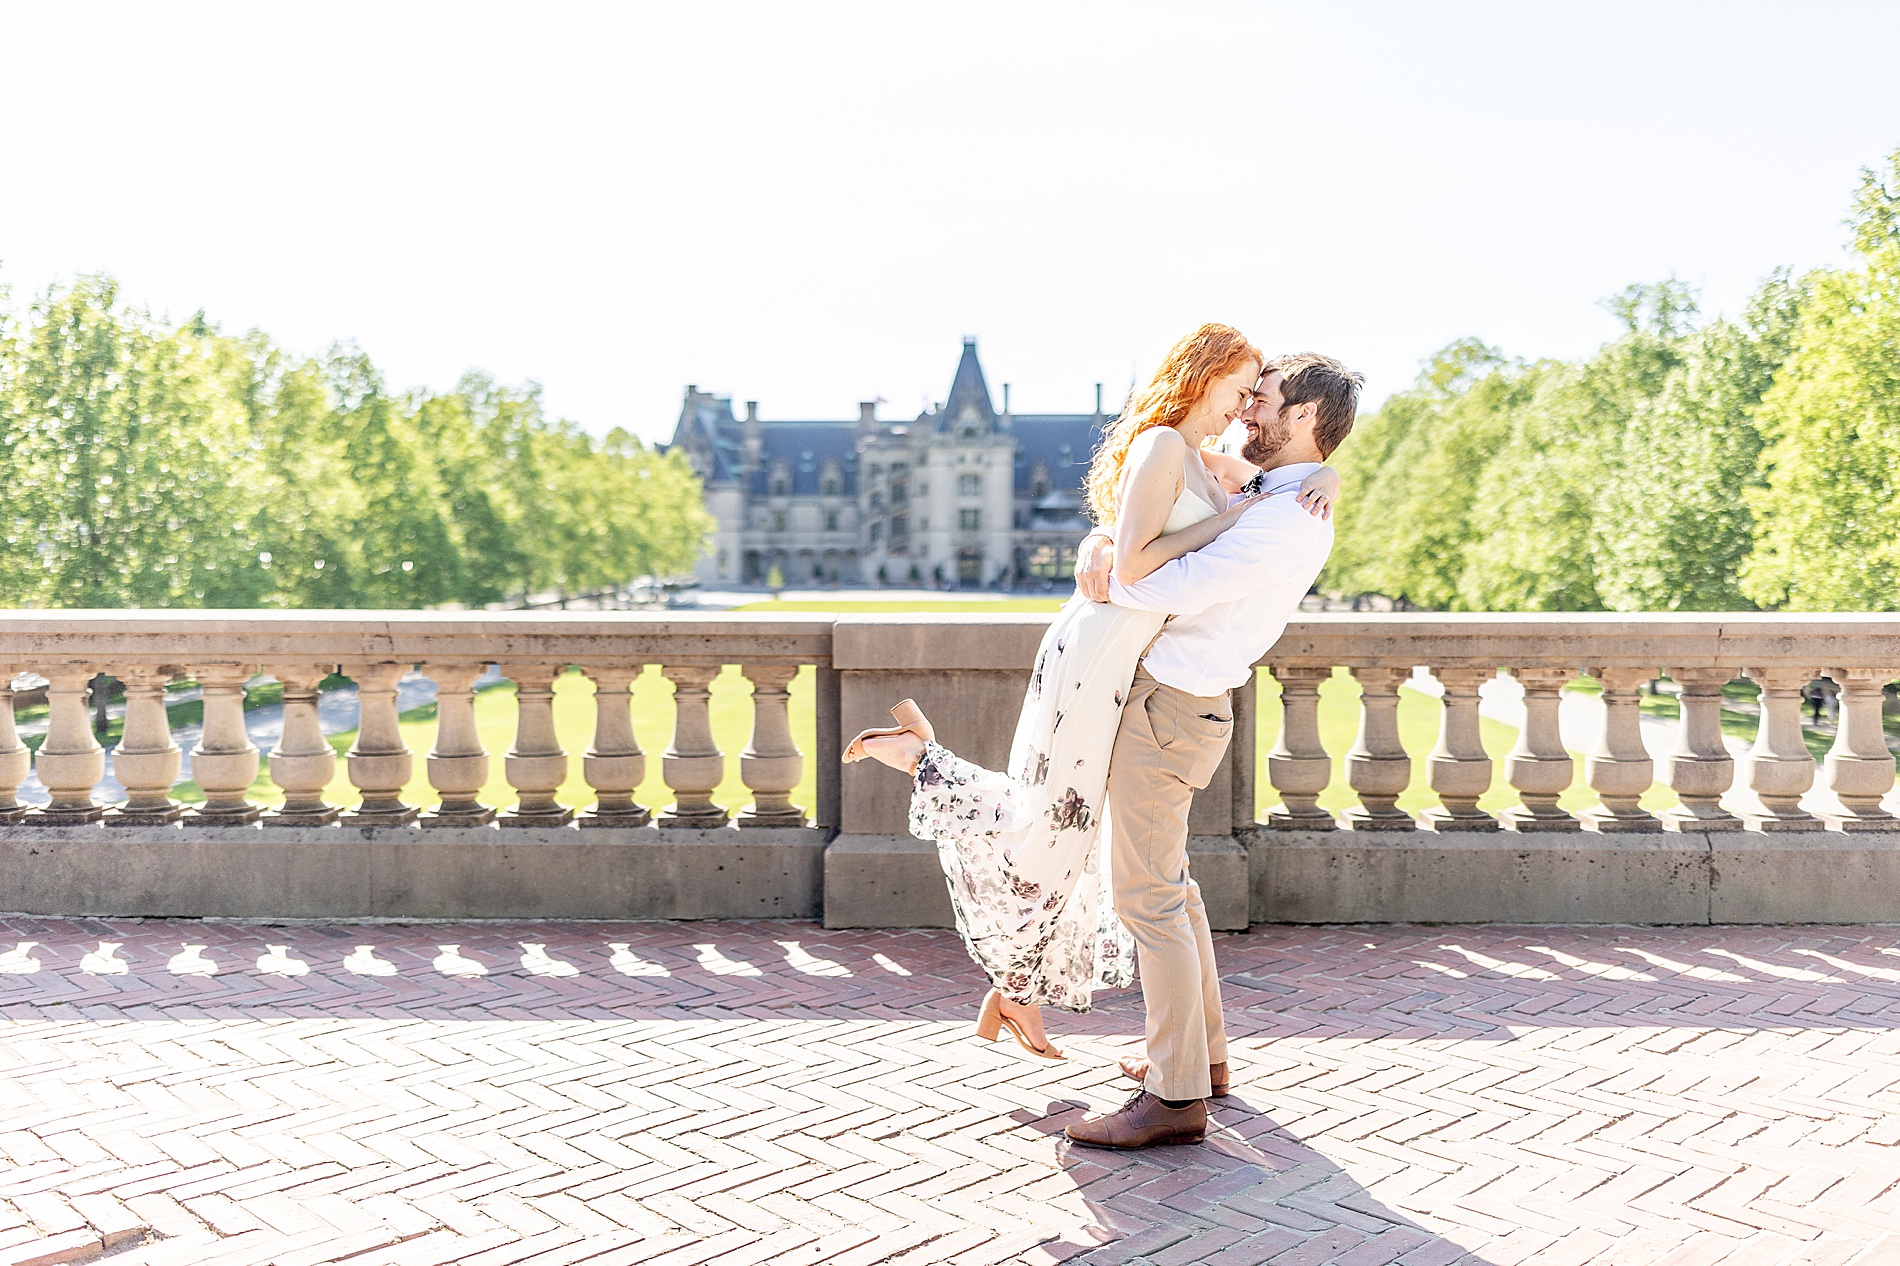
x=1267 y=439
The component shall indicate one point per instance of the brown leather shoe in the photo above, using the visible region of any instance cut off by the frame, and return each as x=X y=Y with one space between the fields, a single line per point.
x=1144 y=1121
x=1135 y=1068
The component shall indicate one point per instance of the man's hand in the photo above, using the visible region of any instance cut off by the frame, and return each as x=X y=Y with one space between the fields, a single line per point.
x=1094 y=562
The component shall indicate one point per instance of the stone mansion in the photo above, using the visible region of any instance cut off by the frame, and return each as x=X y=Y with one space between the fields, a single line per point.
x=961 y=494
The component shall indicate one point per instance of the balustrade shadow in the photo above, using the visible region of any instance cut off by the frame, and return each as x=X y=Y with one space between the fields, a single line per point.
x=1256 y=1183
x=1396 y=982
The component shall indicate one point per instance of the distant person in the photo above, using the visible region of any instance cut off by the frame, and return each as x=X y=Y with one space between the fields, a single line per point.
x=1023 y=852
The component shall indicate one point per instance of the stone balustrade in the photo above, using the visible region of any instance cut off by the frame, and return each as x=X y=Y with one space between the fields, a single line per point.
x=846 y=855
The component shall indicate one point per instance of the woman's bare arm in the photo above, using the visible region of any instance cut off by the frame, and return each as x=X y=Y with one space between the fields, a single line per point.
x=1319 y=490
x=1167 y=548
x=1234 y=473
x=1151 y=481
x=1317 y=493
x=1149 y=490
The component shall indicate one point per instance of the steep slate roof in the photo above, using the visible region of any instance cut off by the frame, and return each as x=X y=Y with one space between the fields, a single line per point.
x=1040 y=437
x=967 y=388
x=706 y=424
x=804 y=447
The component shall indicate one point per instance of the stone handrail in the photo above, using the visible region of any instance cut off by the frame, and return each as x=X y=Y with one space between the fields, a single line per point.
x=847 y=855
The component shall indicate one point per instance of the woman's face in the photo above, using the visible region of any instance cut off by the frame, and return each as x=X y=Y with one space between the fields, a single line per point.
x=1226 y=400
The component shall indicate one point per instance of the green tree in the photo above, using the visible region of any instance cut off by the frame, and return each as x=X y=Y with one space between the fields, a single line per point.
x=149 y=465
x=1828 y=516
x=1412 y=469
x=1535 y=521
x=1674 y=532
x=130 y=464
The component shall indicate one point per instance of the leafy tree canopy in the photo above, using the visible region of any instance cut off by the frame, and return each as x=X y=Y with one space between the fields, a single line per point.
x=1687 y=465
x=155 y=466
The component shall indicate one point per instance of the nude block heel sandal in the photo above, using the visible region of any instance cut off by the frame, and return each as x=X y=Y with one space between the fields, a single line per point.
x=990 y=1023
x=910 y=720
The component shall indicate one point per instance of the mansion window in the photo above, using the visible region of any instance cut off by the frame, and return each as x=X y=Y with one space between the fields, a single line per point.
x=831 y=520
x=831 y=486
x=877 y=501
x=877 y=533
x=1047 y=562
x=970 y=520
x=781 y=483
x=969 y=485
x=778 y=520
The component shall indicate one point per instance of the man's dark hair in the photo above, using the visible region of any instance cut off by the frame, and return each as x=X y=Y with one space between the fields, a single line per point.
x=1309 y=376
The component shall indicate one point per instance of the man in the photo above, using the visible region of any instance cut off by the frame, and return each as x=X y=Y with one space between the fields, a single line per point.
x=1230 y=602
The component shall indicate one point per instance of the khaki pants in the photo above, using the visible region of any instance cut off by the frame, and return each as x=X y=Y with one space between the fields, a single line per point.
x=1168 y=747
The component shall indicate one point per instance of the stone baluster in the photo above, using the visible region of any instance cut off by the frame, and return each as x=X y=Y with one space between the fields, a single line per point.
x=1539 y=767
x=1618 y=768
x=1459 y=767
x=536 y=763
x=303 y=762
x=1859 y=766
x=1298 y=766
x=1700 y=768
x=16 y=759
x=692 y=762
x=458 y=766
x=770 y=766
x=1378 y=768
x=1780 y=767
x=379 y=761
x=613 y=764
x=147 y=759
x=224 y=762
x=71 y=762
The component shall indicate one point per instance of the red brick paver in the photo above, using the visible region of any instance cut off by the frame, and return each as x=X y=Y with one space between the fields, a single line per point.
x=490 y=1094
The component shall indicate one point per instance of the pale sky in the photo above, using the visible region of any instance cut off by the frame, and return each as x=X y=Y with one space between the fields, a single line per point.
x=810 y=204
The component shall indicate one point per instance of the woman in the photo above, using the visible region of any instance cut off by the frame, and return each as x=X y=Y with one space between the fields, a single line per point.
x=1022 y=852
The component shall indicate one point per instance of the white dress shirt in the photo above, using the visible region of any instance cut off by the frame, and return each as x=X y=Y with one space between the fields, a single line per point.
x=1231 y=598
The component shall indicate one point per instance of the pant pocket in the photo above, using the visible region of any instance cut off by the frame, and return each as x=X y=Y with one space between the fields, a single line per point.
x=1198 y=733
x=1210 y=744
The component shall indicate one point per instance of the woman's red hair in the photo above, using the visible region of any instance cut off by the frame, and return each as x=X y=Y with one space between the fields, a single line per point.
x=1191 y=367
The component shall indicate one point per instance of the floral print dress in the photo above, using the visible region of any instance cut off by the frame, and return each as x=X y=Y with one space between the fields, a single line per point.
x=1025 y=853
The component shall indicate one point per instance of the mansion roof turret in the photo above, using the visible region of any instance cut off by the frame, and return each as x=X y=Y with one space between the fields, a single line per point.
x=968 y=407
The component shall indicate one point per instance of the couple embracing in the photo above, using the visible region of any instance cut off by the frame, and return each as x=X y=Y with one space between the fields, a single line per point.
x=1070 y=869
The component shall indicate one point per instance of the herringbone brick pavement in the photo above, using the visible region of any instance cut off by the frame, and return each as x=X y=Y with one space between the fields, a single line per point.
x=184 y=1093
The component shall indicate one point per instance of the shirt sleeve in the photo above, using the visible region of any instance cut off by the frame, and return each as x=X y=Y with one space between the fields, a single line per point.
x=1267 y=547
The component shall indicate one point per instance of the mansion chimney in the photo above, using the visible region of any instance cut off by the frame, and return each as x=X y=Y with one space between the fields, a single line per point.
x=867 y=417
x=752 y=437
